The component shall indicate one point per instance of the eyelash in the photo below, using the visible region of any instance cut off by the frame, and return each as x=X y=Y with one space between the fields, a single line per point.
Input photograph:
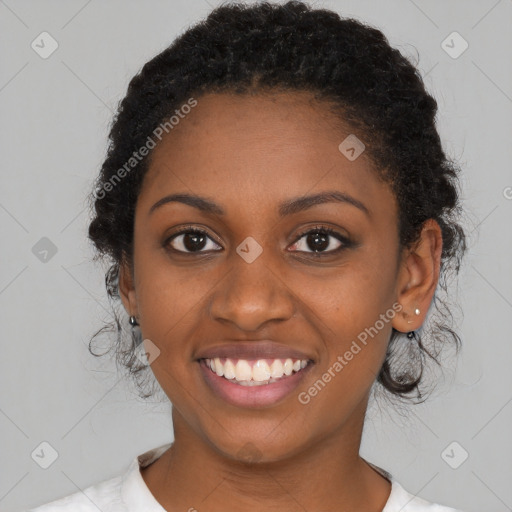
x=346 y=243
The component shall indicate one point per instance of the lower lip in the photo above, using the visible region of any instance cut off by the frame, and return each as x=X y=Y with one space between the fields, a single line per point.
x=252 y=396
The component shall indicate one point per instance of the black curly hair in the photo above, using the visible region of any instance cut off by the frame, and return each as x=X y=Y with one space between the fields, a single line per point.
x=350 y=66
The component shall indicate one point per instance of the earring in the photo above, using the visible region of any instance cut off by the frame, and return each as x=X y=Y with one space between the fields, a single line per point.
x=135 y=331
x=412 y=334
x=416 y=312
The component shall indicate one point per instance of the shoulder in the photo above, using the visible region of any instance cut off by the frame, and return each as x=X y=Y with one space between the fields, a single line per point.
x=124 y=493
x=105 y=496
x=403 y=501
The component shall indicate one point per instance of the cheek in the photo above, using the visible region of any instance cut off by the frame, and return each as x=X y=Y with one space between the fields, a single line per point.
x=353 y=296
x=168 y=304
x=168 y=299
x=350 y=312
x=353 y=309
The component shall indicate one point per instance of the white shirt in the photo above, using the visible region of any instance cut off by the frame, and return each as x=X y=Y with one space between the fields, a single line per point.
x=129 y=493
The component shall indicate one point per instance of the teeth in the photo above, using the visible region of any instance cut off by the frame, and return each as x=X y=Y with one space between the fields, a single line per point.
x=260 y=371
x=219 y=369
x=229 y=370
x=241 y=371
x=276 y=369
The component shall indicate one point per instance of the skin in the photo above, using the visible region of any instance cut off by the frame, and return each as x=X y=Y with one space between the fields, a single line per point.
x=248 y=154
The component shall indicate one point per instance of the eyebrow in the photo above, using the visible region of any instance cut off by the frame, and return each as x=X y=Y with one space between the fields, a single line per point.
x=288 y=207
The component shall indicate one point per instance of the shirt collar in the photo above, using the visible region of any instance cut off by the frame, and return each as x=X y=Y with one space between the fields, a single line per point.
x=135 y=494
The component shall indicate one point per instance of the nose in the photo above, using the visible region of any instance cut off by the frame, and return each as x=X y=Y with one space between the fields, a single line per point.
x=252 y=295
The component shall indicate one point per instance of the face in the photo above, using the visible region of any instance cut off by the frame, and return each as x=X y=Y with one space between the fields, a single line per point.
x=256 y=261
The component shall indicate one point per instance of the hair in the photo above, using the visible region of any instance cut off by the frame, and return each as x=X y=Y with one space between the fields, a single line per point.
x=292 y=47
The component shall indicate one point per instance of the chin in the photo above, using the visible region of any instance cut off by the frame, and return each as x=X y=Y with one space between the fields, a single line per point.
x=256 y=446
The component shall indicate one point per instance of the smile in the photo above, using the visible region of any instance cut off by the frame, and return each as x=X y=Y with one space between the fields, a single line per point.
x=255 y=372
x=253 y=383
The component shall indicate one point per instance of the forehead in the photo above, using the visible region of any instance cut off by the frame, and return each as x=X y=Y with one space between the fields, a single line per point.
x=270 y=146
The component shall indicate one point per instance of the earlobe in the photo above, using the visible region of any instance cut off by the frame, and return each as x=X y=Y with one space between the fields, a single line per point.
x=127 y=289
x=418 y=277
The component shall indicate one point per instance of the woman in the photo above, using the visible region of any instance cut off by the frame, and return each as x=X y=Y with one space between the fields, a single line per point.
x=278 y=212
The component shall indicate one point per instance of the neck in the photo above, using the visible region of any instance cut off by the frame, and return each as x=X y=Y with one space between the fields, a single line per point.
x=328 y=474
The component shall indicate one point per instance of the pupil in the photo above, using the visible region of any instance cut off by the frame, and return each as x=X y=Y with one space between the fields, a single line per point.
x=196 y=239
x=314 y=239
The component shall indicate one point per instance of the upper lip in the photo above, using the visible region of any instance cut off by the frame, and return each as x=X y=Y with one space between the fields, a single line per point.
x=253 y=350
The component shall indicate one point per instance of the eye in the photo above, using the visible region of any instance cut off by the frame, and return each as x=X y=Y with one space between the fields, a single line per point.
x=321 y=239
x=190 y=240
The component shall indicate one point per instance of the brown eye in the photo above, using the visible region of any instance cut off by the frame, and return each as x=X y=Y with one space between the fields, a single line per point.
x=191 y=241
x=321 y=240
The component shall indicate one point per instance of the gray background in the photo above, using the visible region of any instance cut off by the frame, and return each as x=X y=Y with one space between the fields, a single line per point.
x=54 y=120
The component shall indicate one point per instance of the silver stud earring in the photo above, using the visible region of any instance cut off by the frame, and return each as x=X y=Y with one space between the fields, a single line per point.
x=416 y=312
x=133 y=321
x=412 y=334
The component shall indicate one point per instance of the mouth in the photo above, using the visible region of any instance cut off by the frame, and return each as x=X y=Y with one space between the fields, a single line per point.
x=253 y=382
x=255 y=372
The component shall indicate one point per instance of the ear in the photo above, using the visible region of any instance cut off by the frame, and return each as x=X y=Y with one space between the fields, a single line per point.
x=418 y=277
x=127 y=288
